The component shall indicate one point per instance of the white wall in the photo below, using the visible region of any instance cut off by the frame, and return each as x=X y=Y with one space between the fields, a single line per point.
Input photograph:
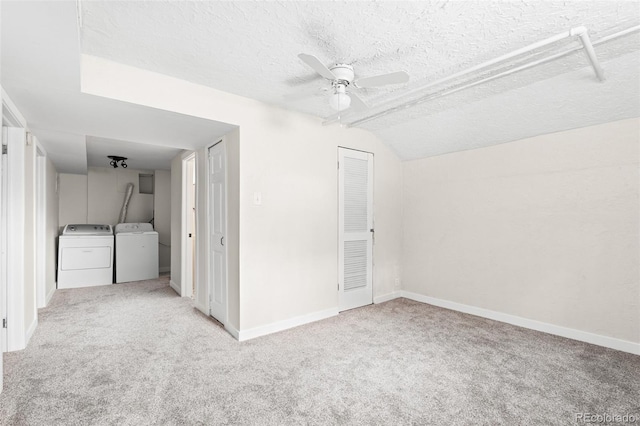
x=98 y=196
x=288 y=248
x=72 y=199
x=51 y=230
x=544 y=228
x=176 y=222
x=289 y=243
x=106 y=191
x=162 y=216
x=30 y=310
x=232 y=141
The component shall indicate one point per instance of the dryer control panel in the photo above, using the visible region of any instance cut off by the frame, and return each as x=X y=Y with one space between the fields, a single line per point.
x=87 y=229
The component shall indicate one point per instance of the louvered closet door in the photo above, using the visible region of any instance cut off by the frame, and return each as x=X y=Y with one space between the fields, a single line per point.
x=355 y=264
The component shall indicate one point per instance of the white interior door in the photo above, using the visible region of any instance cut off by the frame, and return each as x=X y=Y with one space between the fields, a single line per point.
x=15 y=209
x=217 y=230
x=355 y=206
x=189 y=212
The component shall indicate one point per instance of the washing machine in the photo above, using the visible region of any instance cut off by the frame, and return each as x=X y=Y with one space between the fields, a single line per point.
x=136 y=252
x=85 y=256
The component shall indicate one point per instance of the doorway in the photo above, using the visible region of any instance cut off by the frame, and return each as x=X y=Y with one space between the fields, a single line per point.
x=355 y=228
x=189 y=182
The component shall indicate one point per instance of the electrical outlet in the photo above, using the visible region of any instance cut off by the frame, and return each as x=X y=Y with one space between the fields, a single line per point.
x=397 y=283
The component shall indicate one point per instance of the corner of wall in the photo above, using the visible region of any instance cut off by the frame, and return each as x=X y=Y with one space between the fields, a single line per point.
x=30 y=330
x=175 y=287
x=277 y=326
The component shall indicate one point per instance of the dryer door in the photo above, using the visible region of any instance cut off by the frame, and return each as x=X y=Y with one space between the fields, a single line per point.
x=74 y=258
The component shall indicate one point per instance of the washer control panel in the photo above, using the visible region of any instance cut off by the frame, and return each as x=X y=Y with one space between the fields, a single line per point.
x=133 y=228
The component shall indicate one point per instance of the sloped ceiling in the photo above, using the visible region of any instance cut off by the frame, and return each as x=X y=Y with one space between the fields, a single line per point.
x=250 y=49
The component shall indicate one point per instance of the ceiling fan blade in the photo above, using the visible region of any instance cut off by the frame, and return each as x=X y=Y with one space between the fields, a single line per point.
x=318 y=66
x=382 y=80
x=357 y=104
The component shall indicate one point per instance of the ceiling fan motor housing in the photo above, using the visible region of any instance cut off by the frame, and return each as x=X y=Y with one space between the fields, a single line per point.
x=343 y=72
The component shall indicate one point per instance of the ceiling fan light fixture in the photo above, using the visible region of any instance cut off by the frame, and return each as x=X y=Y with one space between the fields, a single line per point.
x=340 y=101
x=341 y=76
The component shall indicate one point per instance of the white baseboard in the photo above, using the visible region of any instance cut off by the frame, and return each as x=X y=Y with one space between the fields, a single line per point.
x=202 y=308
x=30 y=331
x=175 y=287
x=49 y=295
x=583 y=336
x=387 y=297
x=274 y=327
x=232 y=331
x=164 y=269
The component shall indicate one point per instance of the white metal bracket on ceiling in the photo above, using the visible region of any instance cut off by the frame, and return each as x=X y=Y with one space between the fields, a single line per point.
x=397 y=104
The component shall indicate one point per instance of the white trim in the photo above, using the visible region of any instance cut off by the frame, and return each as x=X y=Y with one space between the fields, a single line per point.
x=387 y=297
x=50 y=295
x=40 y=166
x=30 y=331
x=232 y=331
x=175 y=287
x=201 y=307
x=11 y=113
x=164 y=269
x=185 y=290
x=583 y=336
x=274 y=327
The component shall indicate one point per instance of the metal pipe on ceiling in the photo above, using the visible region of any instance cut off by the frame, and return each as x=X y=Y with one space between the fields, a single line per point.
x=580 y=32
x=588 y=48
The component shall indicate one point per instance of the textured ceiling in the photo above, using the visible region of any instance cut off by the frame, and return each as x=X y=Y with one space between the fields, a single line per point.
x=250 y=49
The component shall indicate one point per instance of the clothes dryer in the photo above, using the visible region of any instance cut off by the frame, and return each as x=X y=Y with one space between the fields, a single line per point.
x=85 y=256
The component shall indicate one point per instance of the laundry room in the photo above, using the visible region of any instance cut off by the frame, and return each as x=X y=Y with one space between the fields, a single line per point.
x=105 y=195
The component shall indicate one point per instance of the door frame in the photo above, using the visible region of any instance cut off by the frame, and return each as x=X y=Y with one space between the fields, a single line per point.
x=186 y=273
x=3 y=255
x=41 y=227
x=210 y=282
x=15 y=227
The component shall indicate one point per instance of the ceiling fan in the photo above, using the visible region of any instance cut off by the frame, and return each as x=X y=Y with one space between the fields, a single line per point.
x=343 y=80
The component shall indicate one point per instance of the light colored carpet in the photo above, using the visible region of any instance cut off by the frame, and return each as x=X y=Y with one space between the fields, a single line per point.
x=137 y=354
